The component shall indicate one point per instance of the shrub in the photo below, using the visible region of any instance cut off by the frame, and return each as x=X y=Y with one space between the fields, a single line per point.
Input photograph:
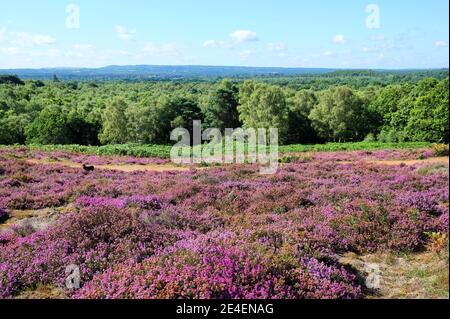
x=440 y=149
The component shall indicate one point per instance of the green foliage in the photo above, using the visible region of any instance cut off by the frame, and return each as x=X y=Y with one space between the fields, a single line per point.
x=340 y=106
x=340 y=115
x=221 y=107
x=428 y=118
x=163 y=151
x=114 y=130
x=183 y=111
x=358 y=146
x=50 y=127
x=10 y=79
x=370 y=138
x=440 y=149
x=415 y=113
x=12 y=128
x=300 y=128
x=263 y=106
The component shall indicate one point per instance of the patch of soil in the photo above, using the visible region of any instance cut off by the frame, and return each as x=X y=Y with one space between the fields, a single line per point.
x=432 y=160
x=411 y=276
x=43 y=292
x=34 y=219
x=115 y=167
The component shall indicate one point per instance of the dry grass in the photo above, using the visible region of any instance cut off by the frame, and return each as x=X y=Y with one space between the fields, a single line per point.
x=432 y=160
x=33 y=219
x=43 y=292
x=422 y=275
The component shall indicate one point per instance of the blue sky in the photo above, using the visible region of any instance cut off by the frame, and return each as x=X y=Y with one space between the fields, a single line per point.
x=288 y=33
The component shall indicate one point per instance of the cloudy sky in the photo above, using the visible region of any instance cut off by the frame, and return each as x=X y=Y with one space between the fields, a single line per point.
x=287 y=33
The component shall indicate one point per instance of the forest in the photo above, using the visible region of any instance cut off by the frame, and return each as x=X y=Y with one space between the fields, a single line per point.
x=339 y=106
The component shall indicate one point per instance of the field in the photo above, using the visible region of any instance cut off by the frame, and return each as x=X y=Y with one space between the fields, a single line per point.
x=140 y=227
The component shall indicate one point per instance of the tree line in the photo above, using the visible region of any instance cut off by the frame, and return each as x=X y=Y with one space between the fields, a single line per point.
x=113 y=112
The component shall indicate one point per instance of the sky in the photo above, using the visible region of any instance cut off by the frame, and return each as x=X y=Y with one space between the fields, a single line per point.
x=377 y=34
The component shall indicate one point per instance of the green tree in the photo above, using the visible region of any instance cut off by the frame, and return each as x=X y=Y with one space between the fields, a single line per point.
x=50 y=127
x=114 y=123
x=263 y=106
x=12 y=128
x=184 y=110
x=300 y=127
x=428 y=118
x=221 y=107
x=81 y=131
x=340 y=115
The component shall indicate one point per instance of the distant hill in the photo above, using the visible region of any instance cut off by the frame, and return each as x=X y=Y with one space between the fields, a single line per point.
x=158 y=72
x=172 y=72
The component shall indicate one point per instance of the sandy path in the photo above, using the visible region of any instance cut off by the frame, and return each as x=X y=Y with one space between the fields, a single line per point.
x=115 y=167
x=432 y=160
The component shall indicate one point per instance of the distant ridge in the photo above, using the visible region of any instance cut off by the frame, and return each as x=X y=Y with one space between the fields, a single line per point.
x=161 y=72
x=158 y=72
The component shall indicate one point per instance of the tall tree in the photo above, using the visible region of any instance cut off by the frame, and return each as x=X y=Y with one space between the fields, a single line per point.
x=221 y=107
x=340 y=115
x=50 y=127
x=428 y=118
x=300 y=127
x=114 y=130
x=263 y=106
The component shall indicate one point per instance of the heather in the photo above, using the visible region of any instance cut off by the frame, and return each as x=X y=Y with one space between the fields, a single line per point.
x=221 y=232
x=142 y=153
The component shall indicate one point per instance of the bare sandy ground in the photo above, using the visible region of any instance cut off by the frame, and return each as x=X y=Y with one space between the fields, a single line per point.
x=115 y=167
x=432 y=160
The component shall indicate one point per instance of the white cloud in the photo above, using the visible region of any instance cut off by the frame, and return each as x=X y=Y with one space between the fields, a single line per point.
x=2 y=34
x=244 y=36
x=25 y=39
x=123 y=33
x=244 y=55
x=83 y=47
x=161 y=49
x=378 y=38
x=277 y=47
x=370 y=50
x=441 y=44
x=237 y=37
x=216 y=44
x=340 y=39
x=43 y=39
x=50 y=53
x=116 y=53
x=11 y=51
x=328 y=53
x=81 y=50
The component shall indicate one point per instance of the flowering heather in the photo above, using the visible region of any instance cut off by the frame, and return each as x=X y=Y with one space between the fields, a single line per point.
x=220 y=266
x=223 y=232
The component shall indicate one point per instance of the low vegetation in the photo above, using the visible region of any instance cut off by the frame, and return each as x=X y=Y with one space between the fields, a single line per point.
x=222 y=232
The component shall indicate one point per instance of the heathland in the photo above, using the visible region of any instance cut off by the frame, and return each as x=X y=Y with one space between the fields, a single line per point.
x=92 y=207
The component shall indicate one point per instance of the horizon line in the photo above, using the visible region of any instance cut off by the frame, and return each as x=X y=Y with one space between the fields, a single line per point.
x=229 y=66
